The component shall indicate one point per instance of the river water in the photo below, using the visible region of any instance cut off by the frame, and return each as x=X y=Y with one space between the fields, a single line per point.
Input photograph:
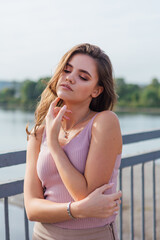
x=13 y=123
x=13 y=138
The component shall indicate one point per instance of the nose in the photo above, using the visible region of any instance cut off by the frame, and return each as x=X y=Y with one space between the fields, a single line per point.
x=70 y=78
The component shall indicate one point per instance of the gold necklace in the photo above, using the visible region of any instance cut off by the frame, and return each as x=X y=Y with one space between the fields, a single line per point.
x=66 y=133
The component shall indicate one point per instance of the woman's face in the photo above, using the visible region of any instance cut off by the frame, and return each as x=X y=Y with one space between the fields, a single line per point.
x=79 y=80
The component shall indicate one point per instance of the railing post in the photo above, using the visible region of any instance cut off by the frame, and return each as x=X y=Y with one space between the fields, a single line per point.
x=154 y=202
x=121 y=206
x=132 y=205
x=6 y=218
x=143 y=205
x=26 y=226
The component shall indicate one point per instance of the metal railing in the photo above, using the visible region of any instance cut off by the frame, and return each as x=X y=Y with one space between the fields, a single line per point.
x=131 y=162
x=12 y=188
x=16 y=187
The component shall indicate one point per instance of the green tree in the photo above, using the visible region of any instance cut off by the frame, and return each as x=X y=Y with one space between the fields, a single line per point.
x=6 y=95
x=31 y=91
x=40 y=86
x=155 y=83
x=120 y=86
x=149 y=98
x=151 y=94
x=28 y=97
x=28 y=91
x=129 y=94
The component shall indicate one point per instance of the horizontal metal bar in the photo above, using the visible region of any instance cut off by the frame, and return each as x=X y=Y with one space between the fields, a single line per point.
x=142 y=136
x=141 y=158
x=11 y=188
x=12 y=158
x=19 y=157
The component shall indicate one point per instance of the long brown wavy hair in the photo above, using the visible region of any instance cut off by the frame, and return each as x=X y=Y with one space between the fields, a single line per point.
x=105 y=101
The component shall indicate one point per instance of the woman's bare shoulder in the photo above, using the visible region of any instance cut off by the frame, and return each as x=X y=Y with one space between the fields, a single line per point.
x=106 y=118
x=106 y=127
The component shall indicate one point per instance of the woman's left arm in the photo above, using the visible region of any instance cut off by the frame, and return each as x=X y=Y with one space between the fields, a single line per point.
x=106 y=143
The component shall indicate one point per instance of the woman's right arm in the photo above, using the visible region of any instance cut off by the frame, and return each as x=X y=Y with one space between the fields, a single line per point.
x=41 y=210
x=38 y=208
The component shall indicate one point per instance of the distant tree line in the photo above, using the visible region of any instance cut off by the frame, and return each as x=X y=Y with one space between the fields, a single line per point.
x=135 y=96
x=26 y=94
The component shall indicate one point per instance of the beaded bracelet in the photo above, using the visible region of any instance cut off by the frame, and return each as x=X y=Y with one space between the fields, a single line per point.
x=69 y=211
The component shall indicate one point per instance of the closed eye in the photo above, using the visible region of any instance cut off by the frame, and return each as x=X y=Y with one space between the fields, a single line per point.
x=67 y=71
x=85 y=79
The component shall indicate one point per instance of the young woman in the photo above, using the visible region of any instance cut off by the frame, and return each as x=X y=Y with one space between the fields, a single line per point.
x=74 y=150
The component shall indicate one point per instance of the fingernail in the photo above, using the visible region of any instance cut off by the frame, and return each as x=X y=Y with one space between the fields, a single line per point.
x=64 y=107
x=67 y=117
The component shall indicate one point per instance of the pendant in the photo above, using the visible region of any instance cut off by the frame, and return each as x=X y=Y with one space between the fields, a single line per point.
x=66 y=135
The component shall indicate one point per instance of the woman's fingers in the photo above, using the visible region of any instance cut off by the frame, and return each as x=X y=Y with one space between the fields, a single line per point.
x=116 y=203
x=113 y=202
x=53 y=105
x=61 y=112
x=55 y=102
x=104 y=187
x=116 y=195
x=116 y=207
x=57 y=109
x=106 y=204
x=53 y=109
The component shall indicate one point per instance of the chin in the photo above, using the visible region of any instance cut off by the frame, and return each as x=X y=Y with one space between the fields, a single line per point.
x=60 y=94
x=63 y=96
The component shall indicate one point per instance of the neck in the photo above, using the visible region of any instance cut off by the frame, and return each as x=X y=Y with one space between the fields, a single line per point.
x=79 y=113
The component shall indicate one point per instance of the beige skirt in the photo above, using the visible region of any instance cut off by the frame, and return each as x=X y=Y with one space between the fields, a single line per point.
x=50 y=232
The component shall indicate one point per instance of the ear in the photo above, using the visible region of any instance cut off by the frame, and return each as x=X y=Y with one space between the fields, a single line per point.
x=97 y=91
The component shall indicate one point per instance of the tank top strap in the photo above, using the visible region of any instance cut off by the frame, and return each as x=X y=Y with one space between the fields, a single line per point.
x=91 y=123
x=88 y=129
x=92 y=119
x=44 y=135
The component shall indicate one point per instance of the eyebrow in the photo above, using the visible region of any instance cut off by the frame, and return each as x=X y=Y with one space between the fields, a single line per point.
x=81 y=70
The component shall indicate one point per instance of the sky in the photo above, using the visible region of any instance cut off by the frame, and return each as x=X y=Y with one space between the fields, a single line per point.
x=35 y=34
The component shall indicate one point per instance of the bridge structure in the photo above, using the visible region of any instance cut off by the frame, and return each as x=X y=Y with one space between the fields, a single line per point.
x=12 y=188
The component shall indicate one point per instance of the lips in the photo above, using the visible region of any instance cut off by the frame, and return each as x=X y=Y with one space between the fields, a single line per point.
x=66 y=86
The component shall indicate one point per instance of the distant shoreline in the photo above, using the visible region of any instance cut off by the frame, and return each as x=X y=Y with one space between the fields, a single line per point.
x=14 y=107
x=117 y=109
x=137 y=110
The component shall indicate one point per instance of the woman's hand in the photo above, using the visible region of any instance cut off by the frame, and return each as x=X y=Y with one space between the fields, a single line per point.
x=97 y=204
x=53 y=121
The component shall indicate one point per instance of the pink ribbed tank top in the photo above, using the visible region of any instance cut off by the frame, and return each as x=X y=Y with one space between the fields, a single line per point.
x=77 y=151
